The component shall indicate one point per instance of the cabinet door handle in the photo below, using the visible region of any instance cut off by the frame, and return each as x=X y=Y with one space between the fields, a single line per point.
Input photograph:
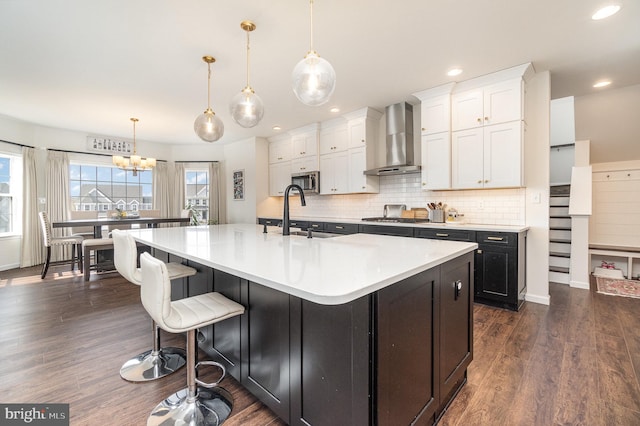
x=495 y=238
x=480 y=181
x=424 y=183
x=458 y=288
x=441 y=235
x=486 y=181
x=479 y=251
x=424 y=129
x=486 y=119
x=479 y=120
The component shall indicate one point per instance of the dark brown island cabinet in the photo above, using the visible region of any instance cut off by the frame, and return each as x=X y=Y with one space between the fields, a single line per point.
x=397 y=356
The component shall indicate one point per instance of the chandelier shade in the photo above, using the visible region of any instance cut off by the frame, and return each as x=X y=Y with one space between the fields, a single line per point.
x=246 y=107
x=207 y=125
x=134 y=163
x=313 y=78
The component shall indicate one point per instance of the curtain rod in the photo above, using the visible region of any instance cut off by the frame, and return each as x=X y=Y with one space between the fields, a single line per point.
x=17 y=144
x=197 y=161
x=85 y=153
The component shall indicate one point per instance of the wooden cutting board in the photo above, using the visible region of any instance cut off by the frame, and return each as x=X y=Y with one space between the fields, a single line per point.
x=407 y=214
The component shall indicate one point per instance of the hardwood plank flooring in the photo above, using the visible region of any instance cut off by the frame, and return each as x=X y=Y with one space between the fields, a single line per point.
x=575 y=362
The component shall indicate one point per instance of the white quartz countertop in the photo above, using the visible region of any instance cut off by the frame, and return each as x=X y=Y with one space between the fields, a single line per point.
x=329 y=271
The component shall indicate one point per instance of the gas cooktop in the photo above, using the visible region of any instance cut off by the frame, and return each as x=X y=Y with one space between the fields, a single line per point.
x=394 y=219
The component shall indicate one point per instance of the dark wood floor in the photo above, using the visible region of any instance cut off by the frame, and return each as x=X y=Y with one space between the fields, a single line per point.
x=575 y=362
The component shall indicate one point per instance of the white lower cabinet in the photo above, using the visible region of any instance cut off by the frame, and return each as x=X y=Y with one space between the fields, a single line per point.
x=279 y=178
x=334 y=175
x=436 y=161
x=487 y=157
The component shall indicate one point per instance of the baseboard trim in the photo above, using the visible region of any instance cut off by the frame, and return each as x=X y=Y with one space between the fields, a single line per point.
x=542 y=300
x=579 y=284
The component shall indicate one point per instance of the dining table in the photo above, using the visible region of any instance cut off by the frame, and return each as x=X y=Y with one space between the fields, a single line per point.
x=98 y=223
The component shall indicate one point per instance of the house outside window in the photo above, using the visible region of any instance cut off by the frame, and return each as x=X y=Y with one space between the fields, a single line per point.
x=10 y=194
x=103 y=188
x=197 y=192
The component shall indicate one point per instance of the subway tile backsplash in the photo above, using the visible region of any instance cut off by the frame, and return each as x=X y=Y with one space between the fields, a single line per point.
x=489 y=206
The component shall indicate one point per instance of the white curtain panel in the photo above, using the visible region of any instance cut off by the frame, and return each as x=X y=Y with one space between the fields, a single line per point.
x=217 y=207
x=32 y=242
x=178 y=189
x=58 y=198
x=161 y=191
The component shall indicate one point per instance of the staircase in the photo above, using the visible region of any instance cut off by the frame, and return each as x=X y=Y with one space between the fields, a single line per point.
x=559 y=234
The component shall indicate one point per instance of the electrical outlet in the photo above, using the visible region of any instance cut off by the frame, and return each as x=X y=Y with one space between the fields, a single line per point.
x=536 y=198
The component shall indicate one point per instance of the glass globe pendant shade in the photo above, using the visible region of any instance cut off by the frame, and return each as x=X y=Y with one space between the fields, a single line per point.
x=208 y=126
x=314 y=80
x=246 y=108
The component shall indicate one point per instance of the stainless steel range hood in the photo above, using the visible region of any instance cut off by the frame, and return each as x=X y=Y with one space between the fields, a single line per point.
x=399 y=142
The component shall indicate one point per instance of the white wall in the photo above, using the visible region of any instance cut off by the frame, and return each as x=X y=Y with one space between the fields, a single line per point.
x=609 y=119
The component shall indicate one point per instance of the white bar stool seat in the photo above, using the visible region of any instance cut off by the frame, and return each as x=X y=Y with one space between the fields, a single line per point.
x=158 y=361
x=208 y=403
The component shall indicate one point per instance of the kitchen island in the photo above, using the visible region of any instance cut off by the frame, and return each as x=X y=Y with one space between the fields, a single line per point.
x=359 y=329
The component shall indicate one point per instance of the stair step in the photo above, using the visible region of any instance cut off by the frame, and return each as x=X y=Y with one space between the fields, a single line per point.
x=559 y=217
x=561 y=269
x=560 y=240
x=558 y=277
x=559 y=254
x=561 y=228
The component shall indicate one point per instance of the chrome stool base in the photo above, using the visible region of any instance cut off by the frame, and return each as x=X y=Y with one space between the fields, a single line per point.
x=152 y=365
x=210 y=407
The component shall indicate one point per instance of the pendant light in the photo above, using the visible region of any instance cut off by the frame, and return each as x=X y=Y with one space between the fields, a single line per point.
x=314 y=79
x=208 y=126
x=246 y=107
x=135 y=163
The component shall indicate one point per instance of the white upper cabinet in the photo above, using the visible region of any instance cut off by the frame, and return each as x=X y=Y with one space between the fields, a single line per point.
x=280 y=149
x=493 y=104
x=306 y=164
x=488 y=157
x=435 y=115
x=305 y=141
x=333 y=136
x=436 y=161
x=358 y=181
x=279 y=178
x=362 y=126
x=334 y=175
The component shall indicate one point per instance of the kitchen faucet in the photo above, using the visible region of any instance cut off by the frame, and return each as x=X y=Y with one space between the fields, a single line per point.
x=285 y=219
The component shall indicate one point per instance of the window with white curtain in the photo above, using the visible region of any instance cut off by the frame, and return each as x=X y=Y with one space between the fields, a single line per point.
x=197 y=192
x=103 y=188
x=10 y=194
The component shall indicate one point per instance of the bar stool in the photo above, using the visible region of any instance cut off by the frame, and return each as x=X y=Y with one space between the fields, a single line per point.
x=207 y=404
x=157 y=362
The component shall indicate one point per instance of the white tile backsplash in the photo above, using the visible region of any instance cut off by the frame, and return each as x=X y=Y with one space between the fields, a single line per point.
x=488 y=206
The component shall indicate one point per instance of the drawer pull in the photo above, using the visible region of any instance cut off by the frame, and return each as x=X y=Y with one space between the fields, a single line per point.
x=441 y=235
x=339 y=227
x=314 y=226
x=495 y=238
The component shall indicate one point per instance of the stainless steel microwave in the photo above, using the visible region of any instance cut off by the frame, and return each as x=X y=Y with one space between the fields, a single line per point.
x=308 y=181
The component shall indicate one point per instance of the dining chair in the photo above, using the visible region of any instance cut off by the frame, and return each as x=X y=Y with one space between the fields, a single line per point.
x=83 y=231
x=50 y=241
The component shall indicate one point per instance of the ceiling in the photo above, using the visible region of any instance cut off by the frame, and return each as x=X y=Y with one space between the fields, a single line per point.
x=89 y=66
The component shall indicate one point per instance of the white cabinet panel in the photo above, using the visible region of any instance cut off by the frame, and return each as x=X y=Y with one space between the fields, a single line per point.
x=306 y=164
x=334 y=139
x=503 y=102
x=305 y=144
x=503 y=155
x=280 y=151
x=466 y=109
x=358 y=182
x=435 y=115
x=467 y=152
x=334 y=173
x=436 y=161
x=357 y=133
x=279 y=178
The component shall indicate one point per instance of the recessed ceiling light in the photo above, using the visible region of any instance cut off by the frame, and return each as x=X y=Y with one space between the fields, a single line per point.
x=454 y=71
x=334 y=109
x=602 y=83
x=277 y=128
x=605 y=12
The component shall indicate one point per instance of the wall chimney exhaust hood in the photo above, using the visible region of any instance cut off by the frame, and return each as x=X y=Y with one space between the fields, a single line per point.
x=399 y=142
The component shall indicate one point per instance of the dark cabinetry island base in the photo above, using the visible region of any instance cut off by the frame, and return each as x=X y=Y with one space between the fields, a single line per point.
x=394 y=357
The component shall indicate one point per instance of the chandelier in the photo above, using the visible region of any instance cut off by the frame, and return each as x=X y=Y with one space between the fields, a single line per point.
x=135 y=163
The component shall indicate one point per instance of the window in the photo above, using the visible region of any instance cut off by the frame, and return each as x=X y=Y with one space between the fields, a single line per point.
x=197 y=192
x=102 y=188
x=10 y=194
